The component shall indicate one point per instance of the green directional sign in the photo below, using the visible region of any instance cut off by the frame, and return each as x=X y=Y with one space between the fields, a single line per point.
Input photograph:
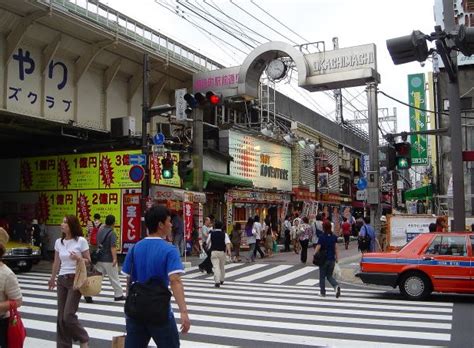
x=417 y=99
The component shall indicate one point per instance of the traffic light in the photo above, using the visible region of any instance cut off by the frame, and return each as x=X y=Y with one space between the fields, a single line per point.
x=405 y=49
x=167 y=164
x=403 y=155
x=200 y=100
x=184 y=168
x=387 y=156
x=464 y=40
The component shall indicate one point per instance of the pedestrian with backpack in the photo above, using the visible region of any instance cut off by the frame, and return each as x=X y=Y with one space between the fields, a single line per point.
x=107 y=256
x=367 y=237
x=93 y=228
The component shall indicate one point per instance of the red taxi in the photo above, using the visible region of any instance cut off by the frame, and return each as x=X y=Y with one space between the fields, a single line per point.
x=440 y=262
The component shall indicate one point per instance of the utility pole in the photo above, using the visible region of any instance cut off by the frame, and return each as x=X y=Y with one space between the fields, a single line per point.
x=338 y=91
x=459 y=204
x=145 y=110
x=373 y=189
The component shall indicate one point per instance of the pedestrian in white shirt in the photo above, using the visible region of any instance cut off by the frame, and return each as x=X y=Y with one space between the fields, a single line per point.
x=219 y=243
x=257 y=226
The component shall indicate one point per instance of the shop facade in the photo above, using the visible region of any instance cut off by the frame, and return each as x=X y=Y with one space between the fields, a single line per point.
x=268 y=166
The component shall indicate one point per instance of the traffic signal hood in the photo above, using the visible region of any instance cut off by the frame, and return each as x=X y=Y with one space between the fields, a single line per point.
x=200 y=100
x=403 y=155
x=167 y=164
x=184 y=168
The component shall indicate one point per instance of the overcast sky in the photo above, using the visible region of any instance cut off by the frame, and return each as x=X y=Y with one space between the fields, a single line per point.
x=354 y=22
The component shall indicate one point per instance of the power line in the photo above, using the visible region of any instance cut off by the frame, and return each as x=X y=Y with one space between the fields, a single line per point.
x=411 y=106
x=261 y=22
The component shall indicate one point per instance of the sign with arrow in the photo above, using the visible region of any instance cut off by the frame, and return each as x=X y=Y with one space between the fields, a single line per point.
x=138 y=159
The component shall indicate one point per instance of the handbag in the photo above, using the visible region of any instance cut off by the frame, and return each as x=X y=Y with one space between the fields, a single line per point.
x=88 y=283
x=319 y=258
x=97 y=253
x=16 y=332
x=148 y=302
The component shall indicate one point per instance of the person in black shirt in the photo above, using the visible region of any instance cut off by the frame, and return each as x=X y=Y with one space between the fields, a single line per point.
x=219 y=243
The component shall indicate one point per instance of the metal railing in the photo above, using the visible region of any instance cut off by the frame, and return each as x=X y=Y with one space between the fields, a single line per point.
x=129 y=28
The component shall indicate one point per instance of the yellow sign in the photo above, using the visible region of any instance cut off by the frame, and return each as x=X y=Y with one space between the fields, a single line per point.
x=155 y=171
x=78 y=171
x=53 y=206
x=38 y=174
x=114 y=168
x=99 y=201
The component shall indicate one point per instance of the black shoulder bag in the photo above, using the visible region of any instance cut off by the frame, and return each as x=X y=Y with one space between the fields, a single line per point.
x=96 y=254
x=148 y=302
x=320 y=257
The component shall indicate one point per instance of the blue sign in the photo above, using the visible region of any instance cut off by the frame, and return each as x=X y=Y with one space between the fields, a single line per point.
x=139 y=159
x=136 y=173
x=364 y=165
x=362 y=184
x=159 y=139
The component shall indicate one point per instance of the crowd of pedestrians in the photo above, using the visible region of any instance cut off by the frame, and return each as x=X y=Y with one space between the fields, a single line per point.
x=157 y=258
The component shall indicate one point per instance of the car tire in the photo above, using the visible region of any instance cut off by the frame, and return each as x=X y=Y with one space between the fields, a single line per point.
x=26 y=268
x=415 y=286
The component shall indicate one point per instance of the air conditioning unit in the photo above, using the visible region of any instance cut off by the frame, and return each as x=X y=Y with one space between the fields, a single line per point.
x=123 y=126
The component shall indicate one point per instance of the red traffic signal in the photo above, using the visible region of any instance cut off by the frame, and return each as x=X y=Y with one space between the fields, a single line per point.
x=213 y=98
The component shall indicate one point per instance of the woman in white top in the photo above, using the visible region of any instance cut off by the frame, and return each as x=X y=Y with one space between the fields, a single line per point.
x=69 y=249
x=9 y=290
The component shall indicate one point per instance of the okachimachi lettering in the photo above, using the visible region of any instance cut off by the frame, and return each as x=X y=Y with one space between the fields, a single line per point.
x=273 y=172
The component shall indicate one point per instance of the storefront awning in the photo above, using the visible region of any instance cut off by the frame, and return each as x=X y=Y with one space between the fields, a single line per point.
x=218 y=178
x=422 y=193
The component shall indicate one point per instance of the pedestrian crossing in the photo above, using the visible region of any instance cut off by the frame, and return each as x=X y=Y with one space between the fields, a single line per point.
x=263 y=273
x=243 y=313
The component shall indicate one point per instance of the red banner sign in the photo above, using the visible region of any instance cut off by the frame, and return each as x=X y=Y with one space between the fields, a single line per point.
x=131 y=224
x=188 y=219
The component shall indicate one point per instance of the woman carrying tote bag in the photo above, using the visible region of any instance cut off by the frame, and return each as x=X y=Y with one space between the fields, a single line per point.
x=71 y=248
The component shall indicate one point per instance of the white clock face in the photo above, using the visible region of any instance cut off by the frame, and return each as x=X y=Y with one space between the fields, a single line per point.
x=276 y=69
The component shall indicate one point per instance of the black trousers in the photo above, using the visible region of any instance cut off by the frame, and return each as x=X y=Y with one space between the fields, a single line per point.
x=257 y=248
x=287 y=240
x=206 y=265
x=304 y=250
x=3 y=332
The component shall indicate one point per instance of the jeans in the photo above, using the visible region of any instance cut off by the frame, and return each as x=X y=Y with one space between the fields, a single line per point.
x=304 y=250
x=325 y=271
x=178 y=241
x=139 y=334
x=251 y=252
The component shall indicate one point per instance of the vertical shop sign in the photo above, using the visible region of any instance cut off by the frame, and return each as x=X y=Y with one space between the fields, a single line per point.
x=417 y=98
x=188 y=219
x=131 y=215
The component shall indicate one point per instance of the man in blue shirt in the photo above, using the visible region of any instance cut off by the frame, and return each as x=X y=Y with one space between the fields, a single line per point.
x=367 y=229
x=154 y=257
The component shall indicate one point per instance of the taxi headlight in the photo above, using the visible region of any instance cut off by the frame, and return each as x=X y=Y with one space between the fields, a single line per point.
x=8 y=252
x=36 y=252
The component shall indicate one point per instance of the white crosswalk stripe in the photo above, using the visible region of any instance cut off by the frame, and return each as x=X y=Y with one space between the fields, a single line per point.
x=260 y=272
x=246 y=314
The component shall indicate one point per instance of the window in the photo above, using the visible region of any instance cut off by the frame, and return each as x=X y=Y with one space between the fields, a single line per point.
x=446 y=245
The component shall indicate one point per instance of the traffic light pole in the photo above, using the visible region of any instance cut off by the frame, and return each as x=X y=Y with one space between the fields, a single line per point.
x=145 y=116
x=198 y=139
x=459 y=204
